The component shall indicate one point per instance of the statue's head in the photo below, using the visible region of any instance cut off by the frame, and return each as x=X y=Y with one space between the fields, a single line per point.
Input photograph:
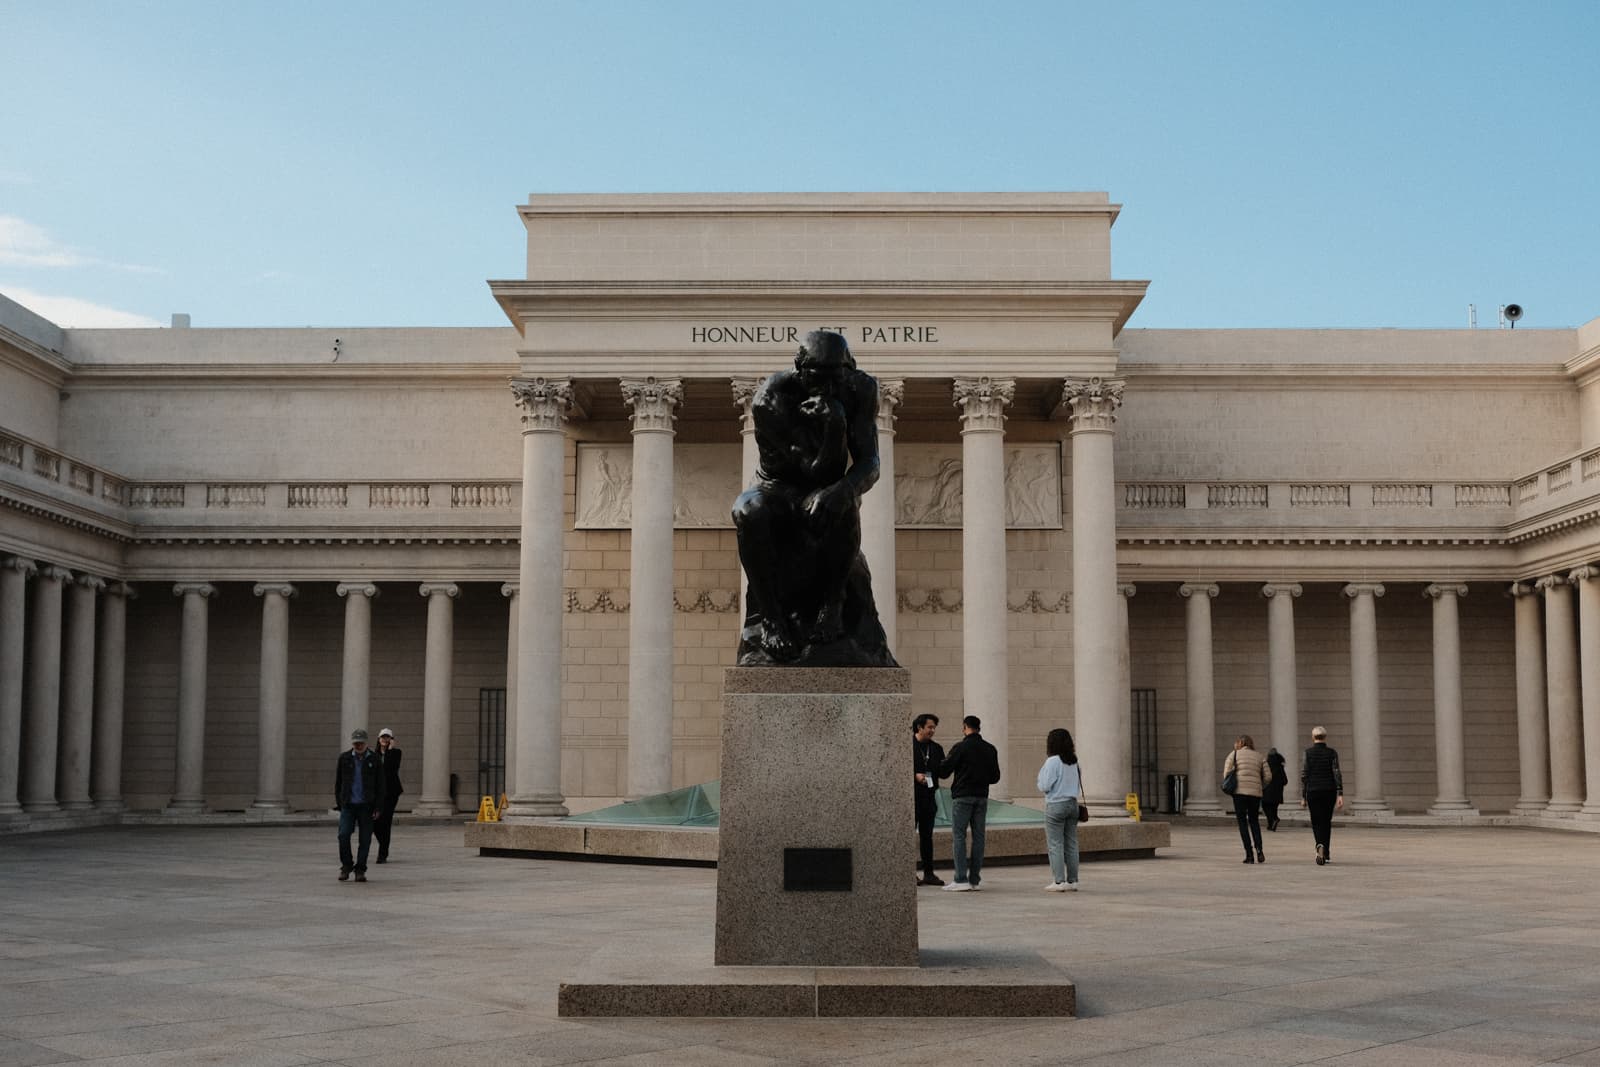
x=824 y=358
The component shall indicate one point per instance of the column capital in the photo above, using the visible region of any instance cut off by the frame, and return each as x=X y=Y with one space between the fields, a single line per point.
x=1288 y=589
x=116 y=587
x=283 y=589
x=1439 y=589
x=653 y=401
x=510 y=589
x=366 y=589
x=744 y=391
x=1127 y=589
x=1189 y=589
x=25 y=567
x=55 y=573
x=1356 y=589
x=429 y=589
x=544 y=402
x=983 y=402
x=1551 y=581
x=891 y=394
x=1580 y=574
x=1092 y=403
x=90 y=582
x=203 y=589
x=1521 y=589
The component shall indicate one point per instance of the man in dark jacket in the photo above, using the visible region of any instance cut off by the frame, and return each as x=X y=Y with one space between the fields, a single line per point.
x=357 y=792
x=926 y=755
x=1321 y=789
x=975 y=765
x=383 y=817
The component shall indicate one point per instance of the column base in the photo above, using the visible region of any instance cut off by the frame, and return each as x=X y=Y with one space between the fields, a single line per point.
x=525 y=810
x=77 y=805
x=1447 y=809
x=1562 y=809
x=111 y=806
x=1589 y=812
x=184 y=806
x=1205 y=806
x=1529 y=807
x=434 y=809
x=1368 y=807
x=10 y=809
x=40 y=807
x=270 y=807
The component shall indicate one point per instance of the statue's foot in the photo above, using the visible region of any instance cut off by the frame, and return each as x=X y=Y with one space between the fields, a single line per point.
x=829 y=626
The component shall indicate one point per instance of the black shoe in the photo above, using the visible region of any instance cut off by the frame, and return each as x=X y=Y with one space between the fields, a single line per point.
x=930 y=879
x=383 y=859
x=344 y=874
x=1273 y=825
x=1261 y=857
x=1249 y=858
x=361 y=876
x=1322 y=855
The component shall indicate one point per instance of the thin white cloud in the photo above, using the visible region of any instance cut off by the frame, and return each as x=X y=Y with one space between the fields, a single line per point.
x=71 y=312
x=15 y=177
x=22 y=244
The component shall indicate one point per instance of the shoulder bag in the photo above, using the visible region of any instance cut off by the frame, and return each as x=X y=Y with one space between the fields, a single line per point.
x=1083 y=801
x=1230 y=780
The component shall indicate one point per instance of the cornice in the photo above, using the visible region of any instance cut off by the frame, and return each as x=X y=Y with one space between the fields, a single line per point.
x=694 y=365
x=1459 y=377
x=756 y=205
x=167 y=376
x=65 y=514
x=34 y=360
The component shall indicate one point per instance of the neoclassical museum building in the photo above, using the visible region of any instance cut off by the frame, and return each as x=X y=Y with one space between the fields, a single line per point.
x=222 y=549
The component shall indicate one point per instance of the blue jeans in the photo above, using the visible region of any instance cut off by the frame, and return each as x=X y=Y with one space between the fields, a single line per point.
x=1061 y=838
x=352 y=816
x=964 y=812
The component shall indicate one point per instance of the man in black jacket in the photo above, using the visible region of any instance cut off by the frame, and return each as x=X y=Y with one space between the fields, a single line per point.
x=1321 y=790
x=926 y=755
x=383 y=817
x=357 y=792
x=976 y=766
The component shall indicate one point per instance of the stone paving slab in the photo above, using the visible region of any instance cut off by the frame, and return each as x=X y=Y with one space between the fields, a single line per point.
x=166 y=946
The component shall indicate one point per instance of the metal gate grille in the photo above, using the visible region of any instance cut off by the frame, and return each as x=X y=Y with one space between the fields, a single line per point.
x=491 y=743
x=1146 y=778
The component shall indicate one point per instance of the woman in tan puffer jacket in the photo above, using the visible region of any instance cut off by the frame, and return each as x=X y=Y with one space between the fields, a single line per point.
x=1253 y=774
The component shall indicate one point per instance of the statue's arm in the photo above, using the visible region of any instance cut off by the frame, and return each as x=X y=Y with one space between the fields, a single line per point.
x=862 y=428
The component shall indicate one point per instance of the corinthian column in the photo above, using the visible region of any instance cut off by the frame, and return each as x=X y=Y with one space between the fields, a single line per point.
x=1100 y=712
x=44 y=694
x=653 y=401
x=1201 y=685
x=109 y=673
x=272 y=745
x=1533 y=743
x=14 y=573
x=1587 y=579
x=877 y=512
x=540 y=602
x=983 y=562
x=1561 y=685
x=1449 y=732
x=744 y=393
x=509 y=591
x=1283 y=709
x=438 y=676
x=188 y=791
x=1125 y=687
x=356 y=676
x=1365 y=725
x=77 y=697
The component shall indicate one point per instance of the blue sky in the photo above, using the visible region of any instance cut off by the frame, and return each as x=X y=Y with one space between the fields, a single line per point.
x=358 y=164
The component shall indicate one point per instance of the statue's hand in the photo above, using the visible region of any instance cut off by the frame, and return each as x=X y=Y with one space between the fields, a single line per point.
x=830 y=501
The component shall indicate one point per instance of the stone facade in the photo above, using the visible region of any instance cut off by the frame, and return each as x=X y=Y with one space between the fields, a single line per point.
x=1249 y=531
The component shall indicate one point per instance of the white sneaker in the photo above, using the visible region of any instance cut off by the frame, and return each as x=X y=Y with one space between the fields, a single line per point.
x=1056 y=887
x=958 y=887
x=1070 y=887
x=976 y=887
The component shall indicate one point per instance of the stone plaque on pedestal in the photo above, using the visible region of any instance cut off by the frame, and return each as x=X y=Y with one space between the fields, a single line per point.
x=817 y=855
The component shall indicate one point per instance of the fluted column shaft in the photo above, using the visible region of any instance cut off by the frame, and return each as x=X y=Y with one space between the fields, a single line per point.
x=1449 y=730
x=1125 y=687
x=1561 y=687
x=1365 y=722
x=744 y=392
x=1587 y=579
x=1200 y=683
x=75 y=750
x=878 y=513
x=111 y=659
x=1283 y=687
x=14 y=574
x=44 y=693
x=652 y=401
x=438 y=676
x=355 y=684
x=272 y=744
x=1100 y=706
x=984 y=690
x=188 y=789
x=1533 y=742
x=541 y=601
x=509 y=591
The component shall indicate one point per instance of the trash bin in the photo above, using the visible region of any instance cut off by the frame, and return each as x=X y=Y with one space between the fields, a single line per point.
x=1177 y=790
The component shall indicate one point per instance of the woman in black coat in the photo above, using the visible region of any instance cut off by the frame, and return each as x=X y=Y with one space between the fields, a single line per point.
x=1272 y=793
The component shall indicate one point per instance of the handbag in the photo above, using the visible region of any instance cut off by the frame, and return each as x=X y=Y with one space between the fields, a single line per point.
x=1083 y=804
x=1230 y=781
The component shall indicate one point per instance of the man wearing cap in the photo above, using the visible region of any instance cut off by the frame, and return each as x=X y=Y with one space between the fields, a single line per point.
x=1321 y=789
x=357 y=792
x=383 y=820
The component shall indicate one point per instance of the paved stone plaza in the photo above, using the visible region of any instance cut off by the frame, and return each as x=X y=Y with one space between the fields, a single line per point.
x=187 y=946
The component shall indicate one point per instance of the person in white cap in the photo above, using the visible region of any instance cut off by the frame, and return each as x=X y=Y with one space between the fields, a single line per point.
x=383 y=818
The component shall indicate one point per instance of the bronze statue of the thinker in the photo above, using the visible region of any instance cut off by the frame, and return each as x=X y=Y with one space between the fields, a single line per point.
x=809 y=600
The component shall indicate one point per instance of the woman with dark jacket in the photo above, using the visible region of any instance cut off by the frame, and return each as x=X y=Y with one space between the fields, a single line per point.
x=1272 y=792
x=1253 y=774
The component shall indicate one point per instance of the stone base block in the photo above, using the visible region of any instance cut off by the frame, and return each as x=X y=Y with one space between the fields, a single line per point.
x=817 y=834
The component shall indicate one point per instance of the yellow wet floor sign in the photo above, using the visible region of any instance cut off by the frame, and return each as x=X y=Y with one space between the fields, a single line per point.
x=487 y=812
x=1132 y=804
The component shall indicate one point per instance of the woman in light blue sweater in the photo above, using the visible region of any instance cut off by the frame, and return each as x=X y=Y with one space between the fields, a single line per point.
x=1061 y=785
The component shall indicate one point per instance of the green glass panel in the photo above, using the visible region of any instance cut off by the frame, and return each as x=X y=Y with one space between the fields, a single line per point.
x=700 y=805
